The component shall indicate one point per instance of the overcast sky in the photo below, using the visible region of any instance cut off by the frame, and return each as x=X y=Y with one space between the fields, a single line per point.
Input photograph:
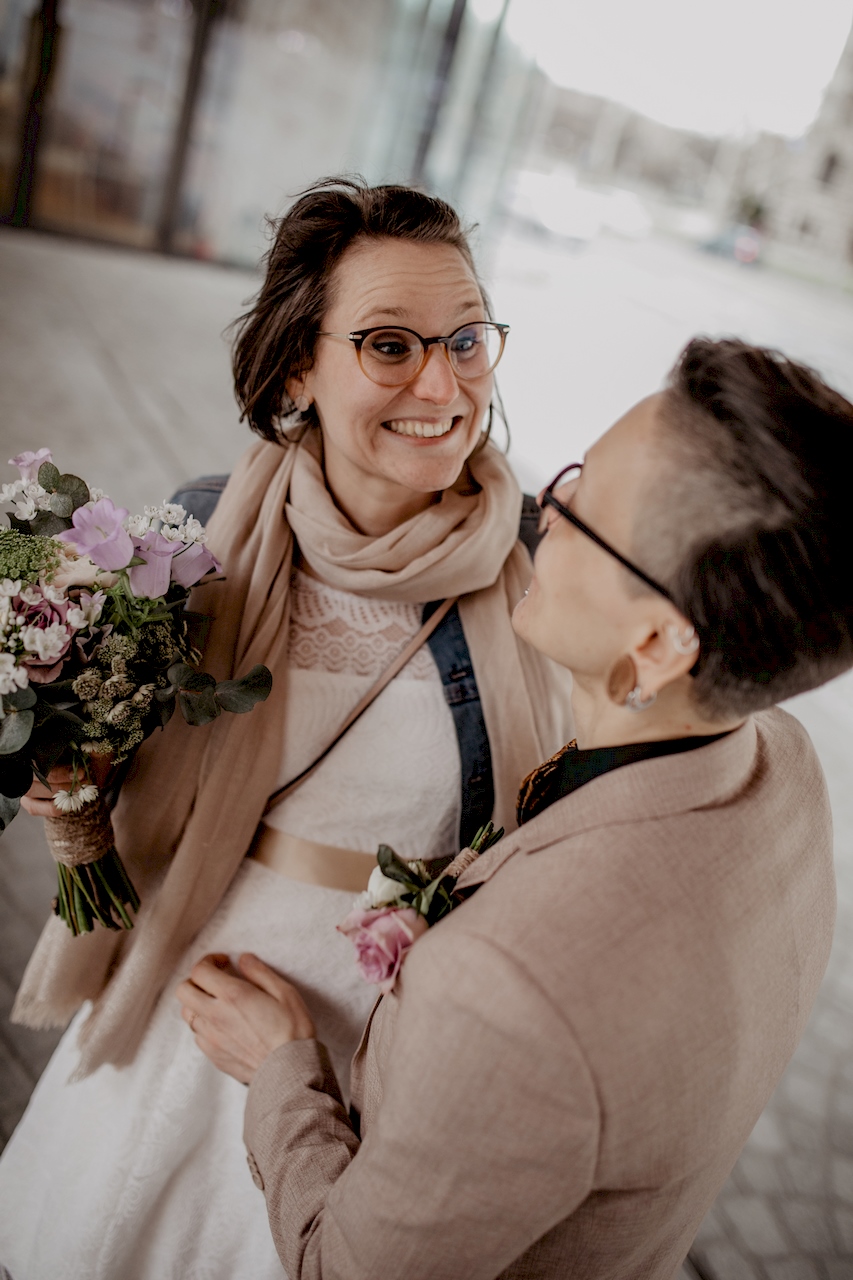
x=717 y=66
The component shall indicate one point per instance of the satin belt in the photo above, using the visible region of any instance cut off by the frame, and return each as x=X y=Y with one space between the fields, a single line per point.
x=313 y=863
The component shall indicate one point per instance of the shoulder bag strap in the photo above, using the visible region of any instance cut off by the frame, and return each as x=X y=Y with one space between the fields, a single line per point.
x=372 y=694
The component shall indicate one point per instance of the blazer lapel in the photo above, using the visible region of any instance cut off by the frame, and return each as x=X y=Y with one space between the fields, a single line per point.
x=648 y=789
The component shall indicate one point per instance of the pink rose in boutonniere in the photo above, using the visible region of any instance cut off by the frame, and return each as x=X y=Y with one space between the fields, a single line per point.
x=402 y=900
x=381 y=939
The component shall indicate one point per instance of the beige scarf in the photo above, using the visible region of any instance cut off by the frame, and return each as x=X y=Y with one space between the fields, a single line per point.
x=190 y=807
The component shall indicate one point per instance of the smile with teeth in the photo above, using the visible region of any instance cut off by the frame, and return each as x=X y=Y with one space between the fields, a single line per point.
x=424 y=430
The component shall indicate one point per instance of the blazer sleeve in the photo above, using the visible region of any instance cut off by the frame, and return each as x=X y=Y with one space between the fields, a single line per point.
x=486 y=1137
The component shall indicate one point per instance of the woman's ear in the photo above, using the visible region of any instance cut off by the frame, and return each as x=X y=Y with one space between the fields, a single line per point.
x=667 y=653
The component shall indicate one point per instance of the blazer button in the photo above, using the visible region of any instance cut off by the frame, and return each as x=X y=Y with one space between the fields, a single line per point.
x=255 y=1171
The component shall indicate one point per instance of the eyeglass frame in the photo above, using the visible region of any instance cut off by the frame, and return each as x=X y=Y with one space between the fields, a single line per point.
x=358 y=336
x=548 y=500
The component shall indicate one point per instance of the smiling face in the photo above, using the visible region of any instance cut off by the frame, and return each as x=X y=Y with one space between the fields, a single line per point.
x=406 y=443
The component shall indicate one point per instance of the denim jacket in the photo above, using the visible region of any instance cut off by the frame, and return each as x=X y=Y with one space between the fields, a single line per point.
x=450 y=651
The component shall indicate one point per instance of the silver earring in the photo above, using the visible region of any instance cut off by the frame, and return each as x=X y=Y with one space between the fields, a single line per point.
x=686 y=644
x=636 y=702
x=302 y=403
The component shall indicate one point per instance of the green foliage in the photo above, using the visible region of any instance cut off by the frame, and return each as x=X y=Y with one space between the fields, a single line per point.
x=201 y=699
x=25 y=557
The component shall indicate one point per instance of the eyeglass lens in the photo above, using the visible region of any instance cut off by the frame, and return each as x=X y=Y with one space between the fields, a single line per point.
x=394 y=356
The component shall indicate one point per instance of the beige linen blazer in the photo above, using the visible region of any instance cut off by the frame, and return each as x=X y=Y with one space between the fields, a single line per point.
x=572 y=1060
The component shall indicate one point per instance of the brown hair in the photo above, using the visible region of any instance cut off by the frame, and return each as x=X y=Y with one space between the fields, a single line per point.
x=276 y=339
x=759 y=494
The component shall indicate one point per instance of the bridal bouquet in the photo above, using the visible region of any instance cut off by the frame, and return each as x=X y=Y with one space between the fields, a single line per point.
x=96 y=651
x=402 y=900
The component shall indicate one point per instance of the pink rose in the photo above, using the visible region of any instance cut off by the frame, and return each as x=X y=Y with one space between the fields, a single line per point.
x=381 y=939
x=45 y=634
x=79 y=571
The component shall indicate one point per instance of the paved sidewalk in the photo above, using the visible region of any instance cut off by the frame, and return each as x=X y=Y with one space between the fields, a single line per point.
x=115 y=360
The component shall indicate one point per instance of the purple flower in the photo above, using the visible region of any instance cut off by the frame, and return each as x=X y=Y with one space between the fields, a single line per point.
x=28 y=463
x=151 y=579
x=192 y=562
x=99 y=533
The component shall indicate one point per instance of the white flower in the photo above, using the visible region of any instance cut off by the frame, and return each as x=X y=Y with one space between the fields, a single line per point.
x=31 y=595
x=10 y=587
x=76 y=618
x=11 y=676
x=43 y=501
x=25 y=510
x=68 y=801
x=381 y=890
x=88 y=793
x=137 y=526
x=170 y=533
x=153 y=513
x=172 y=513
x=48 y=643
x=193 y=531
x=8 y=492
x=52 y=592
x=91 y=606
x=95 y=494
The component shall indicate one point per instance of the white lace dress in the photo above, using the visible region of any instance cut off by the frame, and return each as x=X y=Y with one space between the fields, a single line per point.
x=140 y=1174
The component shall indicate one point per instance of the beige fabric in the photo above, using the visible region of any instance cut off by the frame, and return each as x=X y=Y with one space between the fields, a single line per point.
x=312 y=862
x=189 y=810
x=573 y=1058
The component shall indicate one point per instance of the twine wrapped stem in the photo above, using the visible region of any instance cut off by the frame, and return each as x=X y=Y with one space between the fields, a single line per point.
x=93 y=884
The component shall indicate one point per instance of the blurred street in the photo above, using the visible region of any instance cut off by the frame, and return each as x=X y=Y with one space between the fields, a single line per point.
x=116 y=361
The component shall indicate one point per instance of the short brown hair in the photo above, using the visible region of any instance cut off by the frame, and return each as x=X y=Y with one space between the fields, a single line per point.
x=763 y=571
x=276 y=339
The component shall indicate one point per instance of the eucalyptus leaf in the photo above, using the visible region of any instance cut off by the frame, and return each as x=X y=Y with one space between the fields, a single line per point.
x=74 y=488
x=196 y=681
x=49 y=476
x=199 y=706
x=179 y=672
x=241 y=695
x=61 y=504
x=15 y=730
x=46 y=524
x=21 y=699
x=9 y=806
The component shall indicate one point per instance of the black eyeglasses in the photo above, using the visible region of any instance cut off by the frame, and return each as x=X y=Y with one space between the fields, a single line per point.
x=393 y=357
x=548 y=500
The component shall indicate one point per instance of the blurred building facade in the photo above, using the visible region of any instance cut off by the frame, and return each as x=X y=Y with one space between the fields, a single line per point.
x=181 y=124
x=802 y=189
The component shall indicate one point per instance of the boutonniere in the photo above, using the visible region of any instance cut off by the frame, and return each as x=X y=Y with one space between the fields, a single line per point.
x=402 y=900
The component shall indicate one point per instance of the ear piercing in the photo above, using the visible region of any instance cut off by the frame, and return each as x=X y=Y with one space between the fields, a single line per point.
x=302 y=403
x=636 y=702
x=684 y=644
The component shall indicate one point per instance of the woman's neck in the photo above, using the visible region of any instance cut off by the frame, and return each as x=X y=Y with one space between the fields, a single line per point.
x=373 y=504
x=601 y=723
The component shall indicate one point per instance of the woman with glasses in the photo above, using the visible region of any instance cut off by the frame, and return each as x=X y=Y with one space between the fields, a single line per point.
x=372 y=507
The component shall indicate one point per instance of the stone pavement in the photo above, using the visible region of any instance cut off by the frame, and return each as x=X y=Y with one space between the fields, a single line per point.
x=115 y=360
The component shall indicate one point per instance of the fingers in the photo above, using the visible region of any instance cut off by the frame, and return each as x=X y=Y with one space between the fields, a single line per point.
x=263 y=976
x=39 y=808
